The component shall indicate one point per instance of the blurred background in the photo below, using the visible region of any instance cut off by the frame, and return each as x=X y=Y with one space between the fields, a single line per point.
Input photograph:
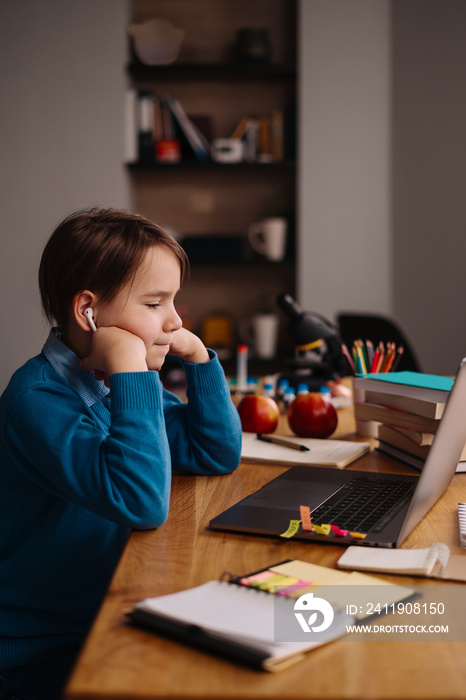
x=366 y=176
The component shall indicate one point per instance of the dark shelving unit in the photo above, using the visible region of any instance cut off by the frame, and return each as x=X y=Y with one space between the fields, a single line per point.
x=212 y=199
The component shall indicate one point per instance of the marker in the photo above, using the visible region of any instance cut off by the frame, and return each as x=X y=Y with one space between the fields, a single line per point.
x=242 y=368
x=283 y=442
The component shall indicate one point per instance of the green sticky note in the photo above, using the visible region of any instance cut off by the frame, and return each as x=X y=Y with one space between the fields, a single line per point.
x=293 y=528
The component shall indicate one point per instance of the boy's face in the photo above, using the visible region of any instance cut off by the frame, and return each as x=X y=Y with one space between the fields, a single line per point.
x=145 y=305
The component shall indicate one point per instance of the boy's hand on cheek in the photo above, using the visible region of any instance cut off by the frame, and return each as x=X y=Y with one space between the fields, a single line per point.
x=114 y=350
x=188 y=347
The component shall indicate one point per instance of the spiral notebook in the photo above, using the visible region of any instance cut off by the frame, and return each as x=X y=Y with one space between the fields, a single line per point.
x=240 y=620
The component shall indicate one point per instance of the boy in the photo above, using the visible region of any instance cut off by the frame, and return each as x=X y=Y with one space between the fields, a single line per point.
x=89 y=437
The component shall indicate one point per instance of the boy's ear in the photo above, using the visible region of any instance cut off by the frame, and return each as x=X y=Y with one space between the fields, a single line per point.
x=82 y=301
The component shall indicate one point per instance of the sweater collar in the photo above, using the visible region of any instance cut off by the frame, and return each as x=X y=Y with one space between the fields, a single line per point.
x=66 y=363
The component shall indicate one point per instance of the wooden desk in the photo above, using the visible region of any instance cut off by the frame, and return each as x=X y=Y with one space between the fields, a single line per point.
x=119 y=662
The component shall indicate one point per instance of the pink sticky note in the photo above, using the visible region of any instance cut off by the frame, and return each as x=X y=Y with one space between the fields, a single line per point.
x=256 y=578
x=338 y=531
x=291 y=589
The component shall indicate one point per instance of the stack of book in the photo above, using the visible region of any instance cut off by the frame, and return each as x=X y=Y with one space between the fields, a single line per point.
x=403 y=410
x=263 y=137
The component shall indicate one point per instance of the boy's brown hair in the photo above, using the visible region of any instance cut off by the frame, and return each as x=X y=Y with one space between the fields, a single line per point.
x=99 y=250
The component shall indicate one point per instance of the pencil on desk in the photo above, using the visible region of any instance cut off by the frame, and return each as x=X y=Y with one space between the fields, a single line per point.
x=282 y=441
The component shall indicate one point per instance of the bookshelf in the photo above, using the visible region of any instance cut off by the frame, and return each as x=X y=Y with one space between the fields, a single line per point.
x=197 y=200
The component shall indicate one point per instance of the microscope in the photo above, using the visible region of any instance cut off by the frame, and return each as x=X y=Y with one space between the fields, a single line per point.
x=318 y=346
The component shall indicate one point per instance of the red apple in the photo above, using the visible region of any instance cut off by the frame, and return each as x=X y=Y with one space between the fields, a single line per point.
x=310 y=415
x=259 y=414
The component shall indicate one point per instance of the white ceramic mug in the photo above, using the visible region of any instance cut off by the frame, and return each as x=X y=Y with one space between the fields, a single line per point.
x=268 y=237
x=261 y=331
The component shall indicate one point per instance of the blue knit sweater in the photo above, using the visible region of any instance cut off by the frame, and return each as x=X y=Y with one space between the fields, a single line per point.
x=78 y=471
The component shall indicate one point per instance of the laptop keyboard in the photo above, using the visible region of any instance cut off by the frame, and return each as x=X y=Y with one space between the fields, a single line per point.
x=364 y=504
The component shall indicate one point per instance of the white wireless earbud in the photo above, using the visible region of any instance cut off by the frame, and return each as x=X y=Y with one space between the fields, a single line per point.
x=88 y=313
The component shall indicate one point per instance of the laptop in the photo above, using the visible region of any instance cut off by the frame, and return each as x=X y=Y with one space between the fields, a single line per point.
x=392 y=504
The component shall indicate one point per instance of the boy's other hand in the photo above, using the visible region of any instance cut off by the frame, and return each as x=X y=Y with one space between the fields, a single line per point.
x=188 y=347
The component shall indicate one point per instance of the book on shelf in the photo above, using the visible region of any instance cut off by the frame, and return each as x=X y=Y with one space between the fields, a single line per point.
x=167 y=120
x=194 y=137
x=250 y=139
x=264 y=140
x=328 y=452
x=159 y=121
x=145 y=127
x=278 y=128
x=435 y=561
x=131 y=145
x=252 y=619
x=240 y=129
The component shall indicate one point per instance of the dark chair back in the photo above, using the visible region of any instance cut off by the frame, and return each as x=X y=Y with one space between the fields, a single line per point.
x=377 y=327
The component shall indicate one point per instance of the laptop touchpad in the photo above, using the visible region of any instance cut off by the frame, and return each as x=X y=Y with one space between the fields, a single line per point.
x=282 y=495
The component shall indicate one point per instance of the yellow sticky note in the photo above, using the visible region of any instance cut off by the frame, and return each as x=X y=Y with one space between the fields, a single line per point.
x=309 y=572
x=293 y=528
x=324 y=529
x=278 y=580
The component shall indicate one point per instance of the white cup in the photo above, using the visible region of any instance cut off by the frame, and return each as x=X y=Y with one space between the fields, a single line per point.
x=263 y=334
x=268 y=237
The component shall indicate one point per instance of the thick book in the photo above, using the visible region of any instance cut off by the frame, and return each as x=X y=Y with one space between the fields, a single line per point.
x=408 y=441
x=419 y=438
x=396 y=417
x=320 y=452
x=432 y=562
x=403 y=441
x=253 y=619
x=408 y=458
x=421 y=407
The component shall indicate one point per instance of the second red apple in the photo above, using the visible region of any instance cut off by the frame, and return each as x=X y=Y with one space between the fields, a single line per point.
x=312 y=416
